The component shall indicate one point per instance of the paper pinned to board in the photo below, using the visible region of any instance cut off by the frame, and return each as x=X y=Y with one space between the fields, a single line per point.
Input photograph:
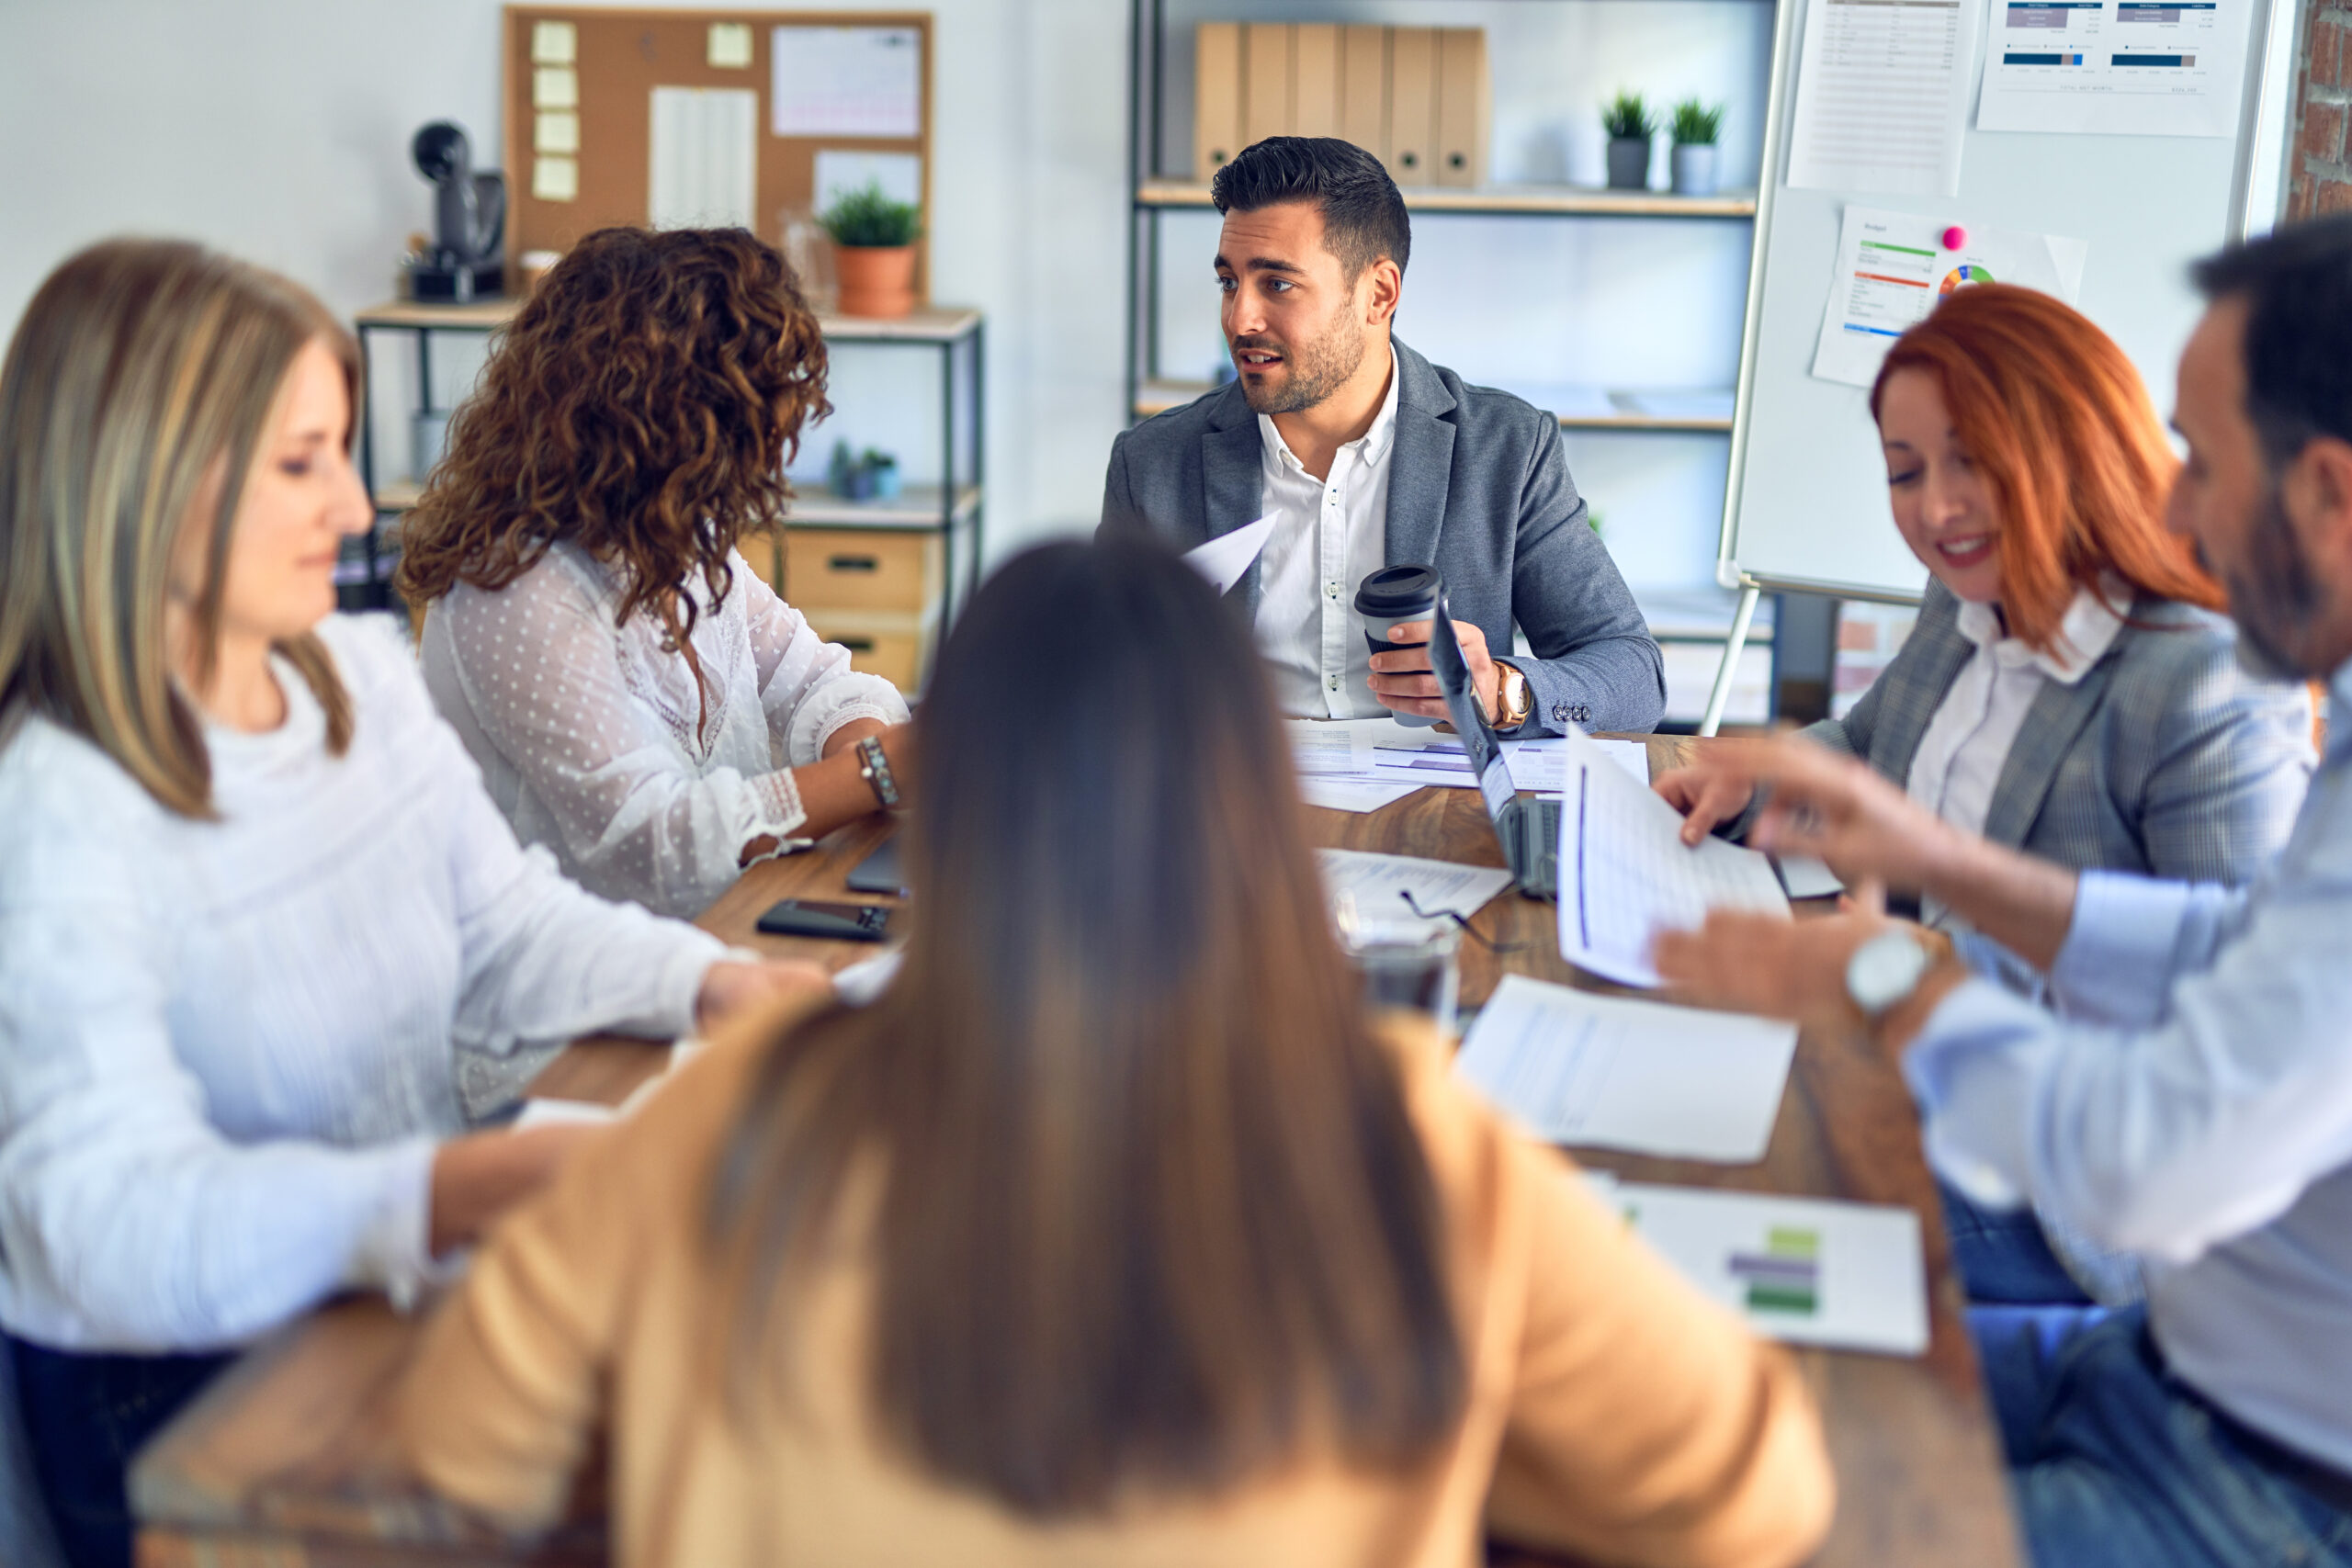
x=1807 y=1270
x=842 y=172
x=1226 y=559
x=1612 y=1071
x=845 y=81
x=1883 y=95
x=2115 y=67
x=1626 y=874
x=704 y=157
x=1892 y=267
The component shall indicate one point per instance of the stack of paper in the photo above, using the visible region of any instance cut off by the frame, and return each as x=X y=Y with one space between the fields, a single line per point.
x=1808 y=1270
x=1629 y=1075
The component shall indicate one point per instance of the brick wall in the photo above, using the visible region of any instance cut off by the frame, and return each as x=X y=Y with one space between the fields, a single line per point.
x=2320 y=179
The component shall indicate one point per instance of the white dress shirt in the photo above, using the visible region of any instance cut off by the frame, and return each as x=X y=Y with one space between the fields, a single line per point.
x=1328 y=536
x=2194 y=1107
x=228 y=1048
x=592 y=740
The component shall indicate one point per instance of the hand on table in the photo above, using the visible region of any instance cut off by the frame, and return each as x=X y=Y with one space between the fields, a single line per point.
x=730 y=987
x=480 y=1176
x=1403 y=681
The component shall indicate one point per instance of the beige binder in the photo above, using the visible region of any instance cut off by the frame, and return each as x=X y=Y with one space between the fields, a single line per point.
x=1364 y=88
x=1315 y=79
x=1412 y=105
x=1217 y=96
x=1464 y=106
x=1265 y=81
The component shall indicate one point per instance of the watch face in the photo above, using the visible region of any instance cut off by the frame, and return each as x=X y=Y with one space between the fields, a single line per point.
x=1883 y=971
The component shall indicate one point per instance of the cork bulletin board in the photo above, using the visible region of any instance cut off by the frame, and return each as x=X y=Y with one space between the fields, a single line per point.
x=638 y=117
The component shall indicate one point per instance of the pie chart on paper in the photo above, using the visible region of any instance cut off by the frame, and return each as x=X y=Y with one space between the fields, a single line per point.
x=1961 y=276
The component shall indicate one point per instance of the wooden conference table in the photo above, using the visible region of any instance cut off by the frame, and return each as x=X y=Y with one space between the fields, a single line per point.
x=287 y=1460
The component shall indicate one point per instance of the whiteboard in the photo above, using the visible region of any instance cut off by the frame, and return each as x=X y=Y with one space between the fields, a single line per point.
x=1805 y=506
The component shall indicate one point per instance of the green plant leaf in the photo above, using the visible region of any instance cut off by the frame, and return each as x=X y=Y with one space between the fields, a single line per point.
x=1696 y=124
x=1627 y=116
x=868 y=217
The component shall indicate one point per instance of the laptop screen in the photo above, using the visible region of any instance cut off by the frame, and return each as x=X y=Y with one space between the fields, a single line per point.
x=1478 y=742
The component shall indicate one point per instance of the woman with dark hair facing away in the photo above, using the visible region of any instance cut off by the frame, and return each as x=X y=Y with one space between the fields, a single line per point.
x=258 y=922
x=2068 y=691
x=1116 y=1230
x=640 y=701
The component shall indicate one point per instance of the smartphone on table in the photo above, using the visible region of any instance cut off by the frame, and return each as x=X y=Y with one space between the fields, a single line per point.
x=838 y=922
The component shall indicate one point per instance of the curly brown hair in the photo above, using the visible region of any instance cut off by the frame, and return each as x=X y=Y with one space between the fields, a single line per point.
x=642 y=405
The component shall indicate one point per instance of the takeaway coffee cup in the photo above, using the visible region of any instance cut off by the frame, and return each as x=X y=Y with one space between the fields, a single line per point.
x=1391 y=596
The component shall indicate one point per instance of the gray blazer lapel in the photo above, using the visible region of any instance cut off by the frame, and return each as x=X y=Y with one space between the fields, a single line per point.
x=1232 y=483
x=1905 y=710
x=2057 y=716
x=1420 y=466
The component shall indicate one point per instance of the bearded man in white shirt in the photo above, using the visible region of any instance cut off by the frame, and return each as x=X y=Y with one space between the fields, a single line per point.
x=2191 y=1101
x=1365 y=455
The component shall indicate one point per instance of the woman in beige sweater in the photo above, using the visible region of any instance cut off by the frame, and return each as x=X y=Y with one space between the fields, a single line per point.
x=1114 y=1231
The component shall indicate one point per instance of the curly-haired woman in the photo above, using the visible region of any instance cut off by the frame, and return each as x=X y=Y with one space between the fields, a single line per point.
x=640 y=701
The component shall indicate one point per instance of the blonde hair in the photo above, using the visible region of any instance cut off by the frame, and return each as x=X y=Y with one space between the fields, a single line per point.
x=142 y=379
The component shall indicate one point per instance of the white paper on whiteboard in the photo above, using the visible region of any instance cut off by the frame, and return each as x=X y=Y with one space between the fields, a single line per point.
x=2115 y=67
x=1883 y=95
x=1892 y=267
x=705 y=158
x=846 y=82
x=840 y=174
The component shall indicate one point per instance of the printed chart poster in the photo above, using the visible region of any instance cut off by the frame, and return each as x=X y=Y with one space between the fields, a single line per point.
x=1808 y=1270
x=1883 y=95
x=2121 y=67
x=1894 y=266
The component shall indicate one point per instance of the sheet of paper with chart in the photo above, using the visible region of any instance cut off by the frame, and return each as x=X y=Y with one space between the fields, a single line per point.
x=1808 y=1270
x=1883 y=95
x=1892 y=267
x=1379 y=882
x=1578 y=1069
x=2115 y=67
x=1625 y=873
x=1334 y=764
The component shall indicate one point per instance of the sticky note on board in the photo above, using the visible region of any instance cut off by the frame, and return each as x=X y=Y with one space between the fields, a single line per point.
x=554 y=43
x=730 y=46
x=555 y=179
x=555 y=87
x=555 y=132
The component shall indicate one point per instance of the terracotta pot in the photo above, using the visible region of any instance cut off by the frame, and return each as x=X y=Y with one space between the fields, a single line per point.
x=877 y=281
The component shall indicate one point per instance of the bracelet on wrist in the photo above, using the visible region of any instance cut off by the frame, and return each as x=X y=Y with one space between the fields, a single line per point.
x=874 y=767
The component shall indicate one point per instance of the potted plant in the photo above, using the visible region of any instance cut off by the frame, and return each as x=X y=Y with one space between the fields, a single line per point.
x=1696 y=127
x=1630 y=126
x=873 y=251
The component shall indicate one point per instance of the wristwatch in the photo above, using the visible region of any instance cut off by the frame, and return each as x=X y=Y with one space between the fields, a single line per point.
x=1514 y=698
x=1884 y=970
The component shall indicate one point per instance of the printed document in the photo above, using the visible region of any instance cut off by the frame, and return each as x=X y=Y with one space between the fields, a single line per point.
x=1892 y=266
x=1576 y=1068
x=1625 y=873
x=2115 y=67
x=1226 y=558
x=1883 y=95
x=846 y=81
x=1808 y=1270
x=1380 y=883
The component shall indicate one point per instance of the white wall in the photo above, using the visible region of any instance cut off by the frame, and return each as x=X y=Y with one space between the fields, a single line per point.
x=278 y=129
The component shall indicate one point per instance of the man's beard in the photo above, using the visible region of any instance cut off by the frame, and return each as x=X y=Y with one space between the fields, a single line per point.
x=1317 y=370
x=2273 y=597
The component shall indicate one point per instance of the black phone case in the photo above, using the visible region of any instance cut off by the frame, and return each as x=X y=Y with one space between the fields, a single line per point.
x=787 y=917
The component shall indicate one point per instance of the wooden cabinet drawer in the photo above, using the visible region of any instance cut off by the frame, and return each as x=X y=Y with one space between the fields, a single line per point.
x=848 y=568
x=891 y=646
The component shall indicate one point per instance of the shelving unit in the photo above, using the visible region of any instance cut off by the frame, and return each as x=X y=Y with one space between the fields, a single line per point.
x=891 y=606
x=1158 y=188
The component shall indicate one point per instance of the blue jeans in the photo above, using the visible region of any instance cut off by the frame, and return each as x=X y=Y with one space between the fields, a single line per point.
x=2113 y=1464
x=2002 y=1256
x=86 y=1418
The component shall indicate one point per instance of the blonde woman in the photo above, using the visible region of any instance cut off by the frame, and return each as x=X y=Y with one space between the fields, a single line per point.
x=251 y=892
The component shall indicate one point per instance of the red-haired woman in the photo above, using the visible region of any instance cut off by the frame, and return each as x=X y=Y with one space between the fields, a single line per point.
x=639 y=700
x=2067 y=691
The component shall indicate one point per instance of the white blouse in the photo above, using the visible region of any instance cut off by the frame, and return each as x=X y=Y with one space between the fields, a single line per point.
x=592 y=741
x=228 y=1048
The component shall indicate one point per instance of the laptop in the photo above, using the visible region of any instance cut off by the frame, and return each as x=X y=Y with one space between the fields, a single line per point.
x=1527 y=829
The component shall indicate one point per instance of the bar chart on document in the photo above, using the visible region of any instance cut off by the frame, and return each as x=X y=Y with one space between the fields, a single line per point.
x=1882 y=95
x=2122 y=67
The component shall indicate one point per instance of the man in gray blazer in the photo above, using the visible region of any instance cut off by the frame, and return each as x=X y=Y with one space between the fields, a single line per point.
x=1365 y=454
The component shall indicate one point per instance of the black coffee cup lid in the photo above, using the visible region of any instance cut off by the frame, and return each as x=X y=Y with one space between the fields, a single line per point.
x=1397 y=590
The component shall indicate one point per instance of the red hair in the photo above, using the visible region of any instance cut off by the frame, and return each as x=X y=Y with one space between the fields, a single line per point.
x=2057 y=421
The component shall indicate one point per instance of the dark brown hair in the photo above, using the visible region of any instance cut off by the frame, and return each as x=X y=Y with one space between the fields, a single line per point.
x=642 y=405
x=2057 y=418
x=1154 y=1216
x=137 y=390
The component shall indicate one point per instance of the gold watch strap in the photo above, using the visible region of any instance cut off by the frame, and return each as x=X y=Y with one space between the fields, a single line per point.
x=1514 y=713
